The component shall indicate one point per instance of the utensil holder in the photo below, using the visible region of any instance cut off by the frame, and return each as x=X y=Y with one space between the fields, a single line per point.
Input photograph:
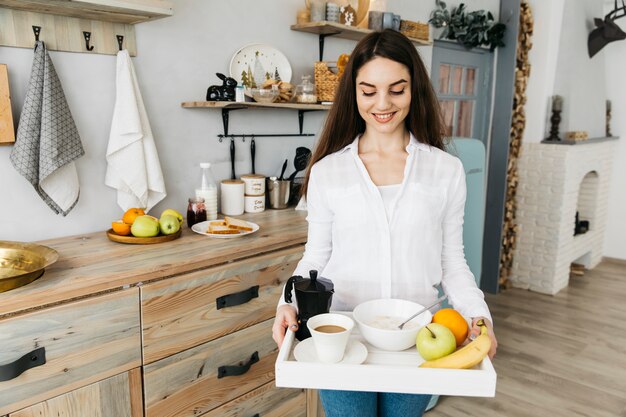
x=278 y=192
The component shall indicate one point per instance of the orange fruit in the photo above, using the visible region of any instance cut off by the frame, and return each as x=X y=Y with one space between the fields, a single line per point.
x=131 y=214
x=454 y=321
x=121 y=228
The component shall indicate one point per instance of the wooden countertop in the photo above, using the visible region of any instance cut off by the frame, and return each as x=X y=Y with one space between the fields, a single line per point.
x=91 y=263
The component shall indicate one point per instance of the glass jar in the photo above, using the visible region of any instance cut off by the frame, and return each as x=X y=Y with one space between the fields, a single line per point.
x=305 y=92
x=196 y=211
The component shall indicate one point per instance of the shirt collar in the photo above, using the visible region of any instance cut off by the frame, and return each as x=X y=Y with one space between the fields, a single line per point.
x=413 y=144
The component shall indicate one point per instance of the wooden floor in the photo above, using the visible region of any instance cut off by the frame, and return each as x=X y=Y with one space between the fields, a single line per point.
x=562 y=355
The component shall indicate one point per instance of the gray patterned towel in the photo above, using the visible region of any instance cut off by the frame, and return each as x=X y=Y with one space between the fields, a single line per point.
x=47 y=142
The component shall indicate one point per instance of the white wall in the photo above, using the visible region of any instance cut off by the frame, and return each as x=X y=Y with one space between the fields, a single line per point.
x=615 y=237
x=177 y=60
x=543 y=56
x=561 y=65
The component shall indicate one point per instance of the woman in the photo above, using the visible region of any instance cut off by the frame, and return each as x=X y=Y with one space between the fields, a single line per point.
x=385 y=205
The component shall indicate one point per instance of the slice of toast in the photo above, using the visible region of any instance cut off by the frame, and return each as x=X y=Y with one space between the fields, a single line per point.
x=217 y=223
x=238 y=224
x=222 y=230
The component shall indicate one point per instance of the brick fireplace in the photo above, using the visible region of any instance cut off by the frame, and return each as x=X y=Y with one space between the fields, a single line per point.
x=557 y=181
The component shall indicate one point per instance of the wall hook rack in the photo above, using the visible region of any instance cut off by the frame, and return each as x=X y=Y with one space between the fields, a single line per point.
x=87 y=36
x=36 y=31
x=120 y=41
x=226 y=117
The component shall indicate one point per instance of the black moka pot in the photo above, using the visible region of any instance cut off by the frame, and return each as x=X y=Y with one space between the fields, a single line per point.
x=314 y=296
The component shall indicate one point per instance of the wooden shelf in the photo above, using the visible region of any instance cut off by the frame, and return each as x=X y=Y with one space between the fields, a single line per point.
x=234 y=105
x=116 y=11
x=342 y=31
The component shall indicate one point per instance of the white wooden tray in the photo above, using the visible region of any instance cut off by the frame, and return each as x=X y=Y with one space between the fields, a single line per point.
x=383 y=371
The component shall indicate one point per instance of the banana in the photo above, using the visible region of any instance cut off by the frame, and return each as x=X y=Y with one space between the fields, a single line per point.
x=468 y=356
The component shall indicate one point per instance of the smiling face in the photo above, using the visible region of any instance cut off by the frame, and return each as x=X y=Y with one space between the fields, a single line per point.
x=383 y=95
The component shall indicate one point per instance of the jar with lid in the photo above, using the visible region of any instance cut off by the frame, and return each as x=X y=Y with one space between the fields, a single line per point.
x=196 y=211
x=208 y=190
x=305 y=92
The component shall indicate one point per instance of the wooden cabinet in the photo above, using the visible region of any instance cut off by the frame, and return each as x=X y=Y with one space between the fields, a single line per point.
x=191 y=309
x=118 y=396
x=190 y=336
x=82 y=342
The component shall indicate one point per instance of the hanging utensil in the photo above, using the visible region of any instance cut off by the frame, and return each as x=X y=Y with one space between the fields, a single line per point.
x=252 y=153
x=282 y=172
x=232 y=158
x=422 y=310
x=301 y=160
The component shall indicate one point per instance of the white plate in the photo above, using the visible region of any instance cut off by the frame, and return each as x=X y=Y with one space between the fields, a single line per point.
x=202 y=227
x=260 y=59
x=355 y=353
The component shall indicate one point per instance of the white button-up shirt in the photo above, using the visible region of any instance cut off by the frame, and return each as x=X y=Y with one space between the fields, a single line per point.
x=367 y=256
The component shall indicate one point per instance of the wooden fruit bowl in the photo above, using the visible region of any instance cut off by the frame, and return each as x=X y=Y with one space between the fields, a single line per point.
x=142 y=240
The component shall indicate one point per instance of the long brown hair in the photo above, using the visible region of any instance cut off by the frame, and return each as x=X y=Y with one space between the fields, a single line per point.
x=344 y=122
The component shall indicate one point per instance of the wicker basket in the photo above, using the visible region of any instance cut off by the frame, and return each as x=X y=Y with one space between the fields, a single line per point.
x=326 y=82
x=415 y=30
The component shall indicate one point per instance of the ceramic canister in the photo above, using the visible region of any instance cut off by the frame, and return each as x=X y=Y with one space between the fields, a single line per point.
x=232 y=197
x=254 y=184
x=254 y=203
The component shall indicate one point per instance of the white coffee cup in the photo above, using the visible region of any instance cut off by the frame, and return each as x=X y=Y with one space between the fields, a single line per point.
x=330 y=345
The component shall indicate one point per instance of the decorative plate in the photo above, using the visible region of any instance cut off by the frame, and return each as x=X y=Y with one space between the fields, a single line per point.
x=142 y=240
x=202 y=227
x=259 y=62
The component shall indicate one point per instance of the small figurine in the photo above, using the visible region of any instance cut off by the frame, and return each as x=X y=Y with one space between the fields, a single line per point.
x=224 y=92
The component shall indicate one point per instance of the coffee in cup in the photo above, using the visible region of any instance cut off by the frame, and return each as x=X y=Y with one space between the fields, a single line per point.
x=330 y=332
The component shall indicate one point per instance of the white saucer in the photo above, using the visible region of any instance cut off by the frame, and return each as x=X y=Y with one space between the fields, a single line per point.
x=355 y=353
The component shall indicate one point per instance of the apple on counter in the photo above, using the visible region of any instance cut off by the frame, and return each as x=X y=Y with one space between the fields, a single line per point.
x=435 y=341
x=169 y=224
x=145 y=226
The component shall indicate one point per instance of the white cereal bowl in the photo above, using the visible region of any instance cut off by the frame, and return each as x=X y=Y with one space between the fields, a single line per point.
x=389 y=313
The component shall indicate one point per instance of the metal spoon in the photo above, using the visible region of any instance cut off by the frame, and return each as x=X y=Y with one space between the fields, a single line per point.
x=443 y=297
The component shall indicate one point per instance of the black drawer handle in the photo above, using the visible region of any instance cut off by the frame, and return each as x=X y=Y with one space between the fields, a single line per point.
x=31 y=360
x=223 y=371
x=237 y=298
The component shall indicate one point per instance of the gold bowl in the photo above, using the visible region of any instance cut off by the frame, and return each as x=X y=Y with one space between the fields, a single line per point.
x=22 y=263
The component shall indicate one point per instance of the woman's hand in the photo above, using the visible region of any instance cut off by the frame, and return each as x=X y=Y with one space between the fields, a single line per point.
x=285 y=319
x=475 y=332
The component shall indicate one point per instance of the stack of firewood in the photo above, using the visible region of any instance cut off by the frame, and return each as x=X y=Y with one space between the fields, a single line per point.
x=522 y=72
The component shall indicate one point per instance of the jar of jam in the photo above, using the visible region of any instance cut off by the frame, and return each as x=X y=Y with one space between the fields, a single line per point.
x=196 y=211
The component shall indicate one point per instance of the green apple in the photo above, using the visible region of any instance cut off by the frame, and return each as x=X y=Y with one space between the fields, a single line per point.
x=174 y=213
x=145 y=226
x=435 y=341
x=169 y=224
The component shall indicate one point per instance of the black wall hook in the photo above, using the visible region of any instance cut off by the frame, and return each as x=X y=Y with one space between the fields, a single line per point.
x=120 y=40
x=87 y=36
x=36 y=31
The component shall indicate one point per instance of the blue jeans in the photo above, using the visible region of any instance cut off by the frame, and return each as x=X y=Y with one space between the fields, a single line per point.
x=372 y=404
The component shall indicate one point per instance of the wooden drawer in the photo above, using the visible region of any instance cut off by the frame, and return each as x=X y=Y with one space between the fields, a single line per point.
x=183 y=312
x=84 y=341
x=189 y=383
x=265 y=401
x=118 y=396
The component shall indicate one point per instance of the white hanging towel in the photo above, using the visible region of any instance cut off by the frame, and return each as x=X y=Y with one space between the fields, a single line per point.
x=133 y=166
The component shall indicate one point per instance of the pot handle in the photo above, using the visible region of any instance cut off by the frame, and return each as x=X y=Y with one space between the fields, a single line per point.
x=289 y=287
x=14 y=369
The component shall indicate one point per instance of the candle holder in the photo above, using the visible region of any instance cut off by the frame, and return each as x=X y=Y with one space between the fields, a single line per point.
x=554 y=128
